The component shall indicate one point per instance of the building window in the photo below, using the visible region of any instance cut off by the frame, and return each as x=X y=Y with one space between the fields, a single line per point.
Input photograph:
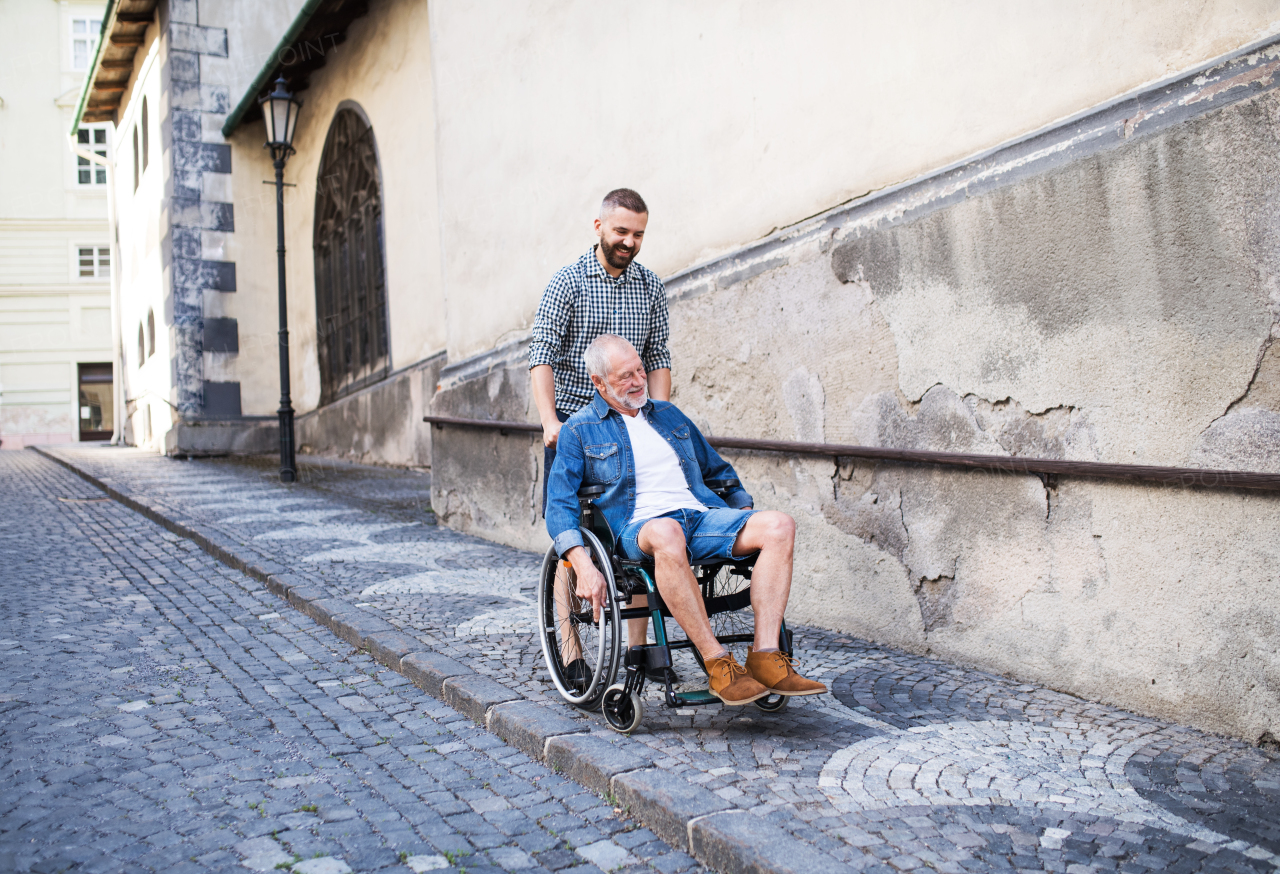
x=91 y=139
x=151 y=333
x=94 y=262
x=146 y=135
x=351 y=293
x=142 y=346
x=84 y=41
x=135 y=157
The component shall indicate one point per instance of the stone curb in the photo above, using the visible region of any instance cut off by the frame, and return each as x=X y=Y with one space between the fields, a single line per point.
x=592 y=761
x=390 y=647
x=688 y=817
x=734 y=840
x=429 y=670
x=666 y=803
x=472 y=695
x=530 y=727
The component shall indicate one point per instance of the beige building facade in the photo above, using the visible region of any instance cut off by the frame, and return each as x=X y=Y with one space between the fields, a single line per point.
x=1007 y=229
x=56 y=353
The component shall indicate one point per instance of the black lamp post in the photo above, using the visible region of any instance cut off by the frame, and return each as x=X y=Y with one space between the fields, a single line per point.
x=280 y=108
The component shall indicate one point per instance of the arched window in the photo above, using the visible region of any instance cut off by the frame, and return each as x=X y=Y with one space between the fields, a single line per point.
x=135 y=157
x=142 y=346
x=151 y=333
x=351 y=292
x=146 y=135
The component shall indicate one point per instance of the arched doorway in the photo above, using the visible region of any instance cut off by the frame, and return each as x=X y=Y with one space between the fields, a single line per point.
x=351 y=290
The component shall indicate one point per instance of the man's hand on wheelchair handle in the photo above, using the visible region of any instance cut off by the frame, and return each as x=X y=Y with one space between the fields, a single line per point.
x=591 y=586
x=550 y=432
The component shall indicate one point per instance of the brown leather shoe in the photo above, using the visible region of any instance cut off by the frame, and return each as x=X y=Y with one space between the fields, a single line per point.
x=777 y=673
x=731 y=683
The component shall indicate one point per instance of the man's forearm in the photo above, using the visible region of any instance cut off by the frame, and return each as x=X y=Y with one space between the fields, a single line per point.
x=659 y=384
x=576 y=556
x=544 y=392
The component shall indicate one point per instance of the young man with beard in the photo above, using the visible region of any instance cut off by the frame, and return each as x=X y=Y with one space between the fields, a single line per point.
x=603 y=292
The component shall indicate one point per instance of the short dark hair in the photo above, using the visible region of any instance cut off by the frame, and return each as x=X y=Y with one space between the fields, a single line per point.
x=624 y=198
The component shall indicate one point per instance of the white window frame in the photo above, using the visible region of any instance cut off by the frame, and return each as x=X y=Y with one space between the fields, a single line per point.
x=98 y=260
x=97 y=173
x=92 y=30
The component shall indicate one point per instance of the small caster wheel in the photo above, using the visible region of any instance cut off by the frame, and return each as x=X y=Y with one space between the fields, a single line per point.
x=622 y=710
x=772 y=703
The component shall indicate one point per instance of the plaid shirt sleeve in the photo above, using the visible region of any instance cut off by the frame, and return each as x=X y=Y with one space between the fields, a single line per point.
x=552 y=320
x=656 y=355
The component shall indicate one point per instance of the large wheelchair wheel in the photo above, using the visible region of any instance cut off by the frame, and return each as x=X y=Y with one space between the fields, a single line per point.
x=582 y=655
x=727 y=596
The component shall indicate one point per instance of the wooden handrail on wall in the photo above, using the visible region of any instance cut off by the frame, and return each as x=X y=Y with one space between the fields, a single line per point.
x=1170 y=476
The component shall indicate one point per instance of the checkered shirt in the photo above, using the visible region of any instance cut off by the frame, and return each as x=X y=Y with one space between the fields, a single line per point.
x=581 y=302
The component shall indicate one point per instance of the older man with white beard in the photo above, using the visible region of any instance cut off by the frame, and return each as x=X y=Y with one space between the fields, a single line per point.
x=653 y=463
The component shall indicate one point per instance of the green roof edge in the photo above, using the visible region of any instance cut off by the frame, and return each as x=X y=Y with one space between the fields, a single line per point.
x=251 y=95
x=93 y=68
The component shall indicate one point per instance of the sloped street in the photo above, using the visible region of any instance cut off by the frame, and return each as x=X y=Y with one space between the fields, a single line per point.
x=162 y=709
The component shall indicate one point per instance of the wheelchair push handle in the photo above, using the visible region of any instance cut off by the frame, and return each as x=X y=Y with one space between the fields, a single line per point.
x=722 y=487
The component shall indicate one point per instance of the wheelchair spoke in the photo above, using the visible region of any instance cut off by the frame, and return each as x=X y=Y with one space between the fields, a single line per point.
x=566 y=609
x=581 y=653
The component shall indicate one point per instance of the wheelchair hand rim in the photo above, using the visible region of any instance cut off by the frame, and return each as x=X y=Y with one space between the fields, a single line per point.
x=606 y=665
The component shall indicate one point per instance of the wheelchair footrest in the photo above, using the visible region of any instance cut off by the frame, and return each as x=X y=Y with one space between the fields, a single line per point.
x=651 y=657
x=701 y=696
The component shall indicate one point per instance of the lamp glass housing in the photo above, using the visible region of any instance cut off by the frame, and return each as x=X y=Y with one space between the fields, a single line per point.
x=280 y=109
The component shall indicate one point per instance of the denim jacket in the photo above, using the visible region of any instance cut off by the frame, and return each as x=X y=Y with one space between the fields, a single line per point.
x=594 y=448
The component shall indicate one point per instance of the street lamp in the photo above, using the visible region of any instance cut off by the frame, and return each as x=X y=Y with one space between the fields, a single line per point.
x=280 y=108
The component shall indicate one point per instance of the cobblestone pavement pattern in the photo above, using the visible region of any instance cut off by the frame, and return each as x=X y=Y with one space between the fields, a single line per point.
x=161 y=712
x=911 y=764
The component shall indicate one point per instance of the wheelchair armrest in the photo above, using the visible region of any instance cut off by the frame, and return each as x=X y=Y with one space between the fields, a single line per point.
x=722 y=486
x=589 y=491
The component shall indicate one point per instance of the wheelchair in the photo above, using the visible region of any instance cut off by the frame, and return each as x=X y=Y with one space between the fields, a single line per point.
x=584 y=656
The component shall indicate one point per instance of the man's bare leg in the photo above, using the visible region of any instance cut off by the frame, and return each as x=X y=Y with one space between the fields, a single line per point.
x=774 y=535
x=664 y=540
x=567 y=602
x=638 y=629
x=727 y=680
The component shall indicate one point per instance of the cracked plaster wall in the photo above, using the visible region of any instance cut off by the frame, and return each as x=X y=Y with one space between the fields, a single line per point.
x=1119 y=309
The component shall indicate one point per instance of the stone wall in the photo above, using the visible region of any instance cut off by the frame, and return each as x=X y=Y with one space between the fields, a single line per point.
x=381 y=424
x=485 y=482
x=1104 y=291
x=194 y=209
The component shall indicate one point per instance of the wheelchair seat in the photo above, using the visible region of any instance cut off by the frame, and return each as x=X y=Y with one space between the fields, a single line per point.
x=646 y=563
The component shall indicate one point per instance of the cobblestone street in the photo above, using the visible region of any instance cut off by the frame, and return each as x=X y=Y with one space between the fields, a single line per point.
x=161 y=710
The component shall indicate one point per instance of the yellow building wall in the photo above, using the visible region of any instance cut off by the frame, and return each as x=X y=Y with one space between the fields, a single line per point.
x=735 y=118
x=384 y=67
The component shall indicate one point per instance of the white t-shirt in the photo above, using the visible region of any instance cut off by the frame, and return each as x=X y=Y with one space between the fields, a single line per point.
x=660 y=483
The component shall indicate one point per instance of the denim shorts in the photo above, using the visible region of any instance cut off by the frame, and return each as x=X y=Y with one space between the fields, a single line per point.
x=708 y=534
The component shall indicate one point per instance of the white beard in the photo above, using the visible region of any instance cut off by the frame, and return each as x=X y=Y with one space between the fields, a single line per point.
x=625 y=402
